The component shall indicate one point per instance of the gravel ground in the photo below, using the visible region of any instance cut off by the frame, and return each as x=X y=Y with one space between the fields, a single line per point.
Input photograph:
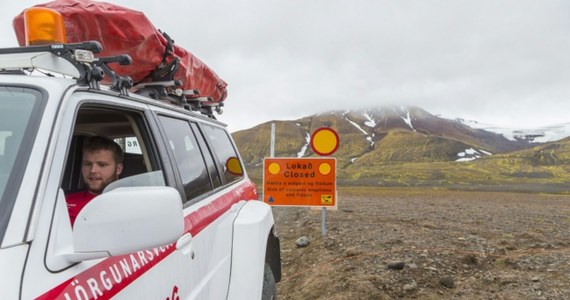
x=428 y=244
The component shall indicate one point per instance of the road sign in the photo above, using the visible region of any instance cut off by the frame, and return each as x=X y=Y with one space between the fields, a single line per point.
x=300 y=182
x=324 y=141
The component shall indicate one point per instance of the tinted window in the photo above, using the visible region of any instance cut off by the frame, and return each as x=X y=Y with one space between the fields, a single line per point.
x=224 y=150
x=188 y=155
x=214 y=175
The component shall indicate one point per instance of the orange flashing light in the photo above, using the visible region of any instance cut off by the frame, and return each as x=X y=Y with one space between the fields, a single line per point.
x=44 y=26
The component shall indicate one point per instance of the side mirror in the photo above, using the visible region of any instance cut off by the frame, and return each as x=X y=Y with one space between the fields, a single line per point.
x=126 y=220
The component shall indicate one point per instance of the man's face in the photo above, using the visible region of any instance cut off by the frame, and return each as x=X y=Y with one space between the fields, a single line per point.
x=99 y=169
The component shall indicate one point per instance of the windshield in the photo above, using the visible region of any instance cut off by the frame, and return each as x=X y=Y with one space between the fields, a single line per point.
x=19 y=119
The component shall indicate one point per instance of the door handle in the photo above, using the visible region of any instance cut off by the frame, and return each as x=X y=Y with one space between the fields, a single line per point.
x=184 y=244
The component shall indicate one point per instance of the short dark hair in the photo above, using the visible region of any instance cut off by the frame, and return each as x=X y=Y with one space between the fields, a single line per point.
x=96 y=143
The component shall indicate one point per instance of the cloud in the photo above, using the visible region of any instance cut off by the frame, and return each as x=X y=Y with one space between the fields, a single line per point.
x=501 y=62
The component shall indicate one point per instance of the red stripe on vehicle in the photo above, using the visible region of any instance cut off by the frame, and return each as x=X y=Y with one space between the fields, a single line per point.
x=110 y=276
x=204 y=216
x=107 y=278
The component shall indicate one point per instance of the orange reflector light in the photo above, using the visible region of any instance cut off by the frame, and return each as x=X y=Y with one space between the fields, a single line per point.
x=44 y=26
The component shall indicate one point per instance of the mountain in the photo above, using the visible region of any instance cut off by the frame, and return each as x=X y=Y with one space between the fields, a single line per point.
x=548 y=155
x=378 y=133
x=409 y=146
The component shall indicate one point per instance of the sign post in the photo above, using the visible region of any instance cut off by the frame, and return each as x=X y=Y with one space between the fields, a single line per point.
x=324 y=142
x=309 y=181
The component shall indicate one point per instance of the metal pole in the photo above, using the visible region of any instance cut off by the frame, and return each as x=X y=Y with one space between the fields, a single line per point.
x=272 y=144
x=324 y=220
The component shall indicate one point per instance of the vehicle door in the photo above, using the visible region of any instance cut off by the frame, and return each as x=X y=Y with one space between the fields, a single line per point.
x=146 y=274
x=211 y=205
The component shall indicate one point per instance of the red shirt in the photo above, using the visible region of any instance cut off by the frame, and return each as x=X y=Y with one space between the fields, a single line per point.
x=76 y=201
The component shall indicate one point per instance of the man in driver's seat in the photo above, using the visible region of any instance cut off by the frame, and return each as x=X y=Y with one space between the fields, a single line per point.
x=102 y=163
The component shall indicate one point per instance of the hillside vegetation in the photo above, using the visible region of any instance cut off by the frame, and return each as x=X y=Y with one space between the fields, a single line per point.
x=397 y=147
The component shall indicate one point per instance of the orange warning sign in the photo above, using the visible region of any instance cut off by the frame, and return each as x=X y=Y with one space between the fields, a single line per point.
x=299 y=181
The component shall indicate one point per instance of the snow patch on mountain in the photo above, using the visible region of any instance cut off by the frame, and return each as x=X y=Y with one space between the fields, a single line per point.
x=357 y=126
x=543 y=134
x=304 y=148
x=406 y=118
x=368 y=137
x=370 y=123
x=471 y=154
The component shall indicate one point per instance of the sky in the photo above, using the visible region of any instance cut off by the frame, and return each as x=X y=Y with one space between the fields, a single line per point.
x=505 y=63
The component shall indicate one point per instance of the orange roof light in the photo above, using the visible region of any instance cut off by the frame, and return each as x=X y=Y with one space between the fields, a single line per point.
x=44 y=26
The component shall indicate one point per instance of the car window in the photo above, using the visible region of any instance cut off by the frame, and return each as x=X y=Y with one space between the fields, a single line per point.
x=224 y=150
x=214 y=175
x=126 y=128
x=16 y=107
x=189 y=159
x=20 y=113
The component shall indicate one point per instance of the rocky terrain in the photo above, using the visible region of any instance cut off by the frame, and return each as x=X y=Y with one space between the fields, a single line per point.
x=428 y=244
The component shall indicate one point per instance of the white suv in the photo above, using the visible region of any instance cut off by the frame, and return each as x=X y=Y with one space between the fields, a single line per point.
x=183 y=222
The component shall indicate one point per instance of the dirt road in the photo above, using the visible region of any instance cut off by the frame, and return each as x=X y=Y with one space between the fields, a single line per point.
x=428 y=244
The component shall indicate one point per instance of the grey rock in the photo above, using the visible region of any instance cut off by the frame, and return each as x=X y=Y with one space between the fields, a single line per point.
x=411 y=287
x=470 y=259
x=302 y=242
x=507 y=279
x=396 y=265
x=447 y=281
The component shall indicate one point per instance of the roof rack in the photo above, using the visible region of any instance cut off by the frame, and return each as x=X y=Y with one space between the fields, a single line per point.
x=78 y=61
x=59 y=58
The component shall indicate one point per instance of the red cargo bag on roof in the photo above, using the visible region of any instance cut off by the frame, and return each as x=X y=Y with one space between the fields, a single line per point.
x=124 y=31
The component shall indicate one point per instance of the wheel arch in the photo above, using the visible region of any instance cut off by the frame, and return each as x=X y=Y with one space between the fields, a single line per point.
x=254 y=244
x=273 y=254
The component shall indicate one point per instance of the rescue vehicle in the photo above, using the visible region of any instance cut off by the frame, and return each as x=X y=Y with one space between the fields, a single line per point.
x=183 y=221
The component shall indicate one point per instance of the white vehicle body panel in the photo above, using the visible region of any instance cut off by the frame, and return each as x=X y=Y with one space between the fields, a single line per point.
x=219 y=255
x=12 y=261
x=40 y=60
x=253 y=224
